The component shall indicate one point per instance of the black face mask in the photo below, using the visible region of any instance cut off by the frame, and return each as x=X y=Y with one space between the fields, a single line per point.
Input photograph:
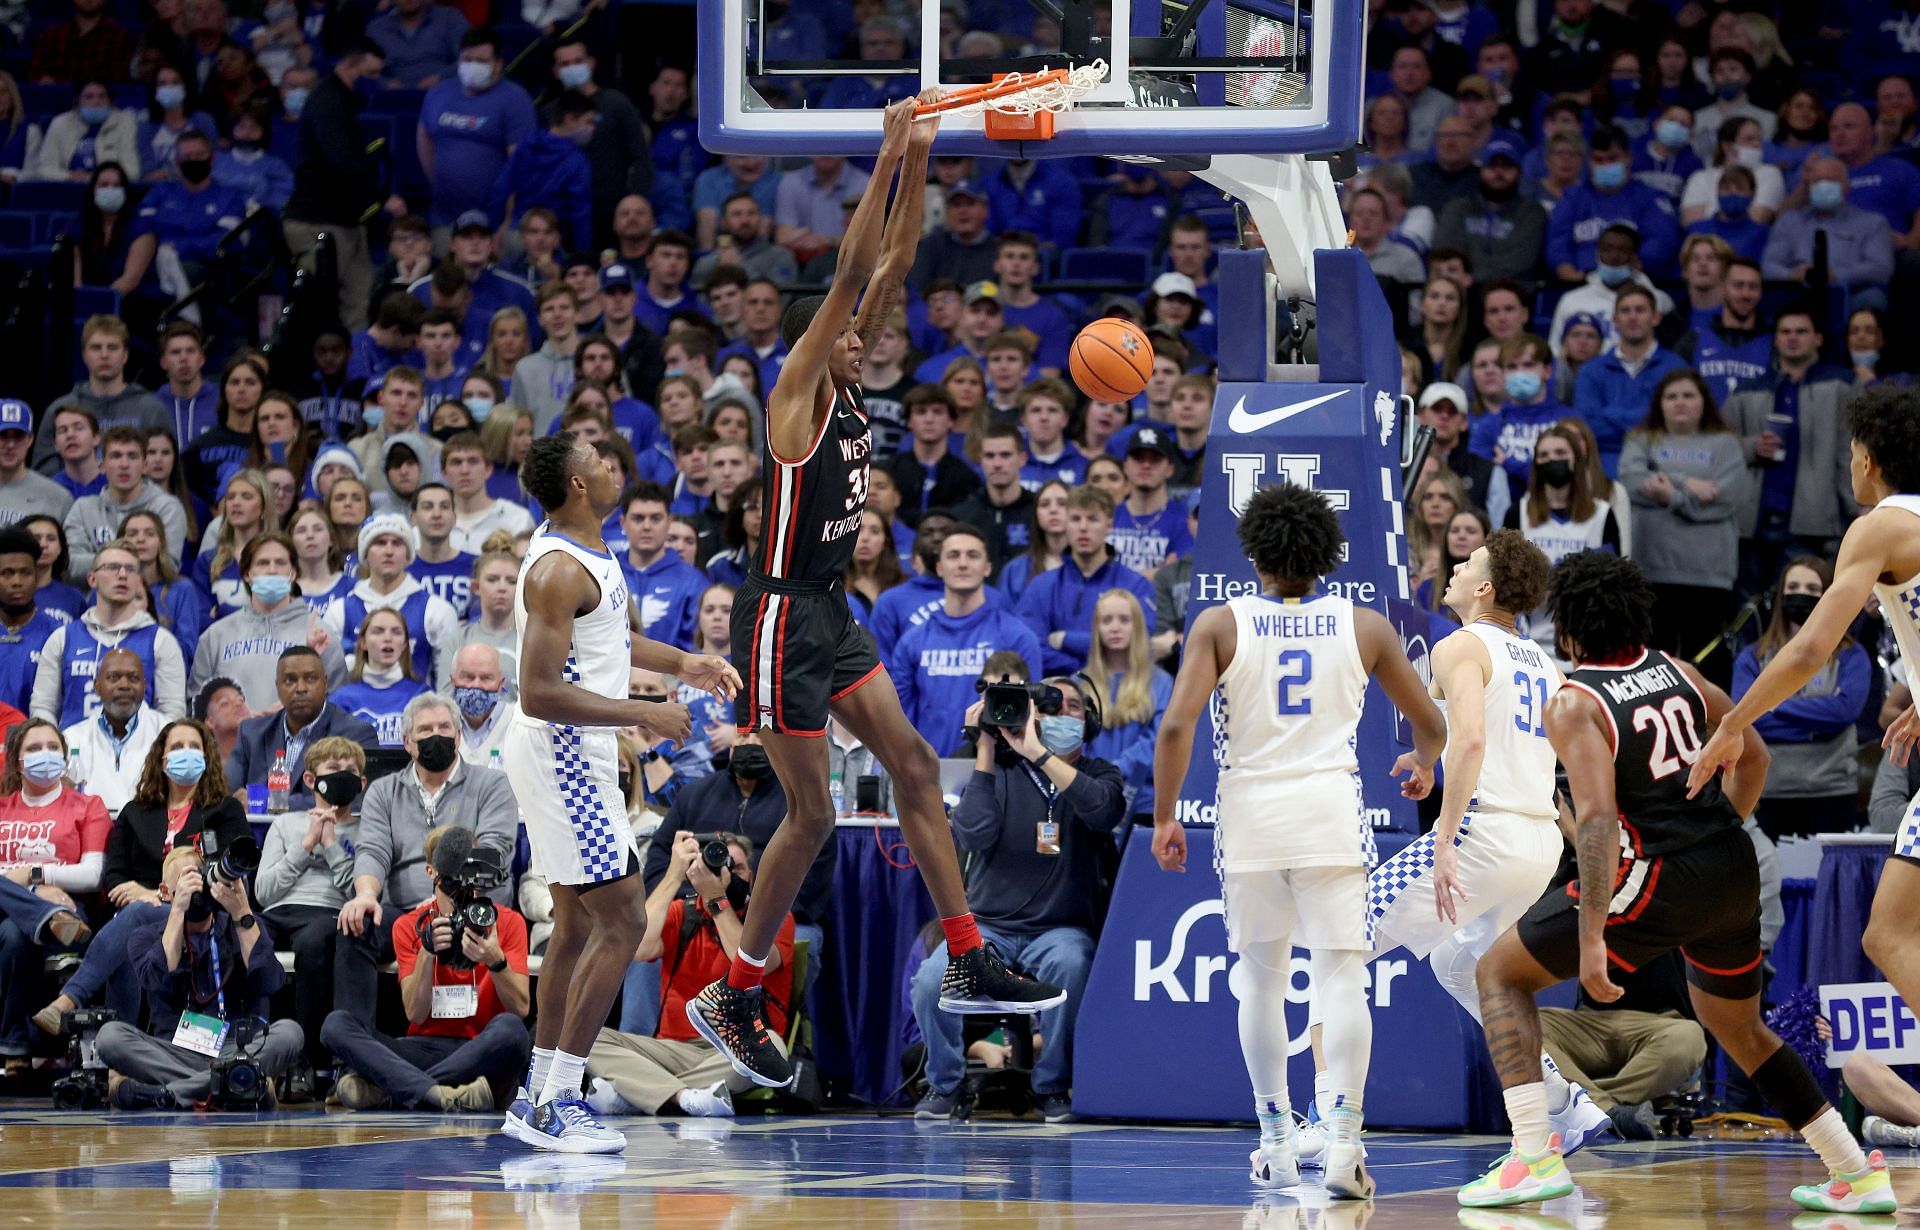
x=750 y=762
x=435 y=753
x=1555 y=473
x=196 y=170
x=626 y=784
x=444 y=434
x=340 y=789
x=1798 y=608
x=1499 y=196
x=199 y=907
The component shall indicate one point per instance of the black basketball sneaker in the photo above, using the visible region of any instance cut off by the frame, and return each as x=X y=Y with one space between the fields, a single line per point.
x=979 y=981
x=735 y=1022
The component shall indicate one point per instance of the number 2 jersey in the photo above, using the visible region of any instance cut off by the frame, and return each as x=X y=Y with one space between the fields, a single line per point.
x=814 y=501
x=1290 y=708
x=1657 y=724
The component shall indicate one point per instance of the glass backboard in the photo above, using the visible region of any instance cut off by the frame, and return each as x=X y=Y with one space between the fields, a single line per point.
x=1188 y=79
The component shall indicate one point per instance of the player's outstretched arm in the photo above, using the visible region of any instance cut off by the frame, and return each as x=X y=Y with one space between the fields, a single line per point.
x=1574 y=726
x=792 y=411
x=1384 y=656
x=557 y=588
x=1210 y=647
x=1748 y=776
x=1863 y=554
x=707 y=671
x=902 y=239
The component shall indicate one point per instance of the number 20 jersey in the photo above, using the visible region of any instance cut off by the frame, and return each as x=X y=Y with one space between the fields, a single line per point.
x=813 y=502
x=1657 y=723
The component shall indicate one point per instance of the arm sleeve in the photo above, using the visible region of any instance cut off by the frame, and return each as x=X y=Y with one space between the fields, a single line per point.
x=1778 y=259
x=1730 y=473
x=80 y=552
x=498 y=824
x=1097 y=797
x=119 y=860
x=46 y=677
x=976 y=817
x=80 y=877
x=1876 y=256
x=503 y=185
x=149 y=961
x=1560 y=236
x=1746 y=669
x=1659 y=234
x=1888 y=806
x=373 y=850
x=1634 y=470
x=173 y=519
x=1033 y=605
x=1840 y=708
x=169 y=676
x=280 y=866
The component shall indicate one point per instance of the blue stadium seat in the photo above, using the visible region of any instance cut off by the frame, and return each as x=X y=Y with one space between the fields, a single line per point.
x=94 y=301
x=19 y=230
x=396 y=102
x=48 y=196
x=132 y=95
x=41 y=98
x=1121 y=266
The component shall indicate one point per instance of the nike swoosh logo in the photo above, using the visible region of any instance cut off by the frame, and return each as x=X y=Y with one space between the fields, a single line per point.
x=1245 y=423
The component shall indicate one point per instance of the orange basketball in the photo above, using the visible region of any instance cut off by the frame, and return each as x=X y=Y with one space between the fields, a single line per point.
x=1111 y=359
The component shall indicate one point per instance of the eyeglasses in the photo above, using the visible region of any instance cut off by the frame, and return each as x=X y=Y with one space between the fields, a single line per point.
x=114 y=569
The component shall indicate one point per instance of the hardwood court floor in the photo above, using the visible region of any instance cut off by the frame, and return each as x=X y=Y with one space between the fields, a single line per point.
x=311 y=1171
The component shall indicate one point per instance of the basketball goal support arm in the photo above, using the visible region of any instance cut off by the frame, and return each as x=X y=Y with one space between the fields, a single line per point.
x=1293 y=203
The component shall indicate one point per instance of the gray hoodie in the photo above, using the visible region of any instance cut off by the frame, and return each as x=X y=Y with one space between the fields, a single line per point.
x=291 y=876
x=94 y=521
x=132 y=406
x=246 y=647
x=1682 y=540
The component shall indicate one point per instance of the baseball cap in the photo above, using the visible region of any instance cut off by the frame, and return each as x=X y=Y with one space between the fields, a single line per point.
x=1501 y=145
x=1151 y=440
x=969 y=188
x=1474 y=83
x=1445 y=390
x=15 y=416
x=472 y=220
x=1125 y=304
x=1590 y=319
x=1175 y=284
x=616 y=275
x=982 y=290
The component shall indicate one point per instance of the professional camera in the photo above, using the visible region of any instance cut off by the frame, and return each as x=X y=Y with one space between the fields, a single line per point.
x=238 y=1081
x=719 y=860
x=477 y=876
x=85 y=1088
x=228 y=862
x=1007 y=704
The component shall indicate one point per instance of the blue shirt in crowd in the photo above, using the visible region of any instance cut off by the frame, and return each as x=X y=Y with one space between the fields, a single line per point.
x=935 y=663
x=1062 y=600
x=471 y=135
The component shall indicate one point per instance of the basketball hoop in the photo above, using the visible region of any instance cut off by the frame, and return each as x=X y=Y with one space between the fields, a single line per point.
x=1055 y=90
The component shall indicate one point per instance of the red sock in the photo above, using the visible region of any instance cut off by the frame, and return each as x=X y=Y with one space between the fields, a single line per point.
x=745 y=974
x=962 y=935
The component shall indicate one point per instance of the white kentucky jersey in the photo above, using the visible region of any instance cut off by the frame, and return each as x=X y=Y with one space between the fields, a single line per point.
x=601 y=652
x=1294 y=689
x=1900 y=602
x=1516 y=775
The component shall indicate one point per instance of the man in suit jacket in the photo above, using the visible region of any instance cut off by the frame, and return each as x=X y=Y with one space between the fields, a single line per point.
x=305 y=715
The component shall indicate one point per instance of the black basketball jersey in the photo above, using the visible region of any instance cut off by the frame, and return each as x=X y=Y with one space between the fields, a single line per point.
x=813 y=502
x=1658 y=721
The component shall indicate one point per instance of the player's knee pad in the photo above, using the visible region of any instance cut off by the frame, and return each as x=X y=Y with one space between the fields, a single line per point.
x=1784 y=1081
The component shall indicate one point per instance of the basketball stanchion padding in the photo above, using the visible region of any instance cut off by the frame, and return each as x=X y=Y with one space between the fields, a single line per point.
x=1111 y=360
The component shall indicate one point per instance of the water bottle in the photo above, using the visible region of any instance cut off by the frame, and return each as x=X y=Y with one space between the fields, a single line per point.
x=837 y=790
x=279 y=783
x=73 y=770
x=494 y=763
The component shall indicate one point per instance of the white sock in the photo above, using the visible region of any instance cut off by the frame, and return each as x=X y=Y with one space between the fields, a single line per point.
x=1343 y=1126
x=1323 y=1095
x=565 y=1076
x=1527 y=1108
x=606 y=1100
x=1559 y=1089
x=1828 y=1135
x=1275 y=1113
x=542 y=1064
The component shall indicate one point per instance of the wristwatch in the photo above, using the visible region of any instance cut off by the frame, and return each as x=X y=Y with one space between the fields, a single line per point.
x=36 y=876
x=245 y=922
x=500 y=967
x=718 y=904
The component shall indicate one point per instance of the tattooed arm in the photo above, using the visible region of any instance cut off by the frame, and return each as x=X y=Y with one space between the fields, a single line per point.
x=1579 y=739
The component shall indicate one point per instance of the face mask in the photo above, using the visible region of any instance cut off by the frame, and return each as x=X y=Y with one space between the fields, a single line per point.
x=199 y=908
x=1729 y=90
x=1864 y=358
x=475 y=702
x=1523 y=386
x=1609 y=175
x=1672 y=133
x=750 y=762
x=676 y=371
x=1798 y=608
x=295 y=100
x=43 y=766
x=170 y=95
x=1734 y=204
x=196 y=170
x=475 y=76
x=246 y=147
x=573 y=76
x=1826 y=195
x=271 y=589
x=479 y=408
x=1555 y=473
x=186 y=765
x=444 y=434
x=339 y=789
x=435 y=753
x=109 y=198
x=1499 y=196
x=1613 y=275
x=1748 y=156
x=626 y=784
x=1496 y=77
x=1061 y=733
x=93 y=117
x=371 y=415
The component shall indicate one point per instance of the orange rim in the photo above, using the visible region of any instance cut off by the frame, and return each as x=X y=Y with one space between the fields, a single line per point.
x=1005 y=87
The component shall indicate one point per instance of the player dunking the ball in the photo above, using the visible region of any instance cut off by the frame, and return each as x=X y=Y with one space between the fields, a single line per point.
x=1293 y=839
x=1656 y=871
x=570 y=611
x=797 y=645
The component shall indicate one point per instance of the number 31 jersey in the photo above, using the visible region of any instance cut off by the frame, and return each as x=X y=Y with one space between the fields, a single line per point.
x=1294 y=690
x=1657 y=723
x=813 y=502
x=1516 y=774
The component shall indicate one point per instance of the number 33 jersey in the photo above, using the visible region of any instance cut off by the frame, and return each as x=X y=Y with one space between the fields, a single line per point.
x=1290 y=707
x=813 y=501
x=1657 y=723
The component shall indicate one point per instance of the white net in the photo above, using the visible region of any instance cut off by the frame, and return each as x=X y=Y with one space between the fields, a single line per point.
x=1028 y=94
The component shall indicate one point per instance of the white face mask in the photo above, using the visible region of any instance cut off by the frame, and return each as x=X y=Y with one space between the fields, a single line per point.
x=475 y=76
x=1748 y=156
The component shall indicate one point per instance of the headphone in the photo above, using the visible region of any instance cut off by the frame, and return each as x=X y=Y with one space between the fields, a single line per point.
x=1090 y=701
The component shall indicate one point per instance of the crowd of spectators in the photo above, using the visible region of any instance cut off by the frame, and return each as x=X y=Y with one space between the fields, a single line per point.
x=1640 y=258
